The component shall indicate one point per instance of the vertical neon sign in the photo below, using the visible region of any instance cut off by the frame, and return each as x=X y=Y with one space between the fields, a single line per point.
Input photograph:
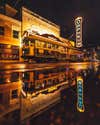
x=78 y=25
x=80 y=104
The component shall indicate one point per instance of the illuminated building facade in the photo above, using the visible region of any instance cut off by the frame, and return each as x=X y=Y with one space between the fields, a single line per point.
x=10 y=33
x=33 y=23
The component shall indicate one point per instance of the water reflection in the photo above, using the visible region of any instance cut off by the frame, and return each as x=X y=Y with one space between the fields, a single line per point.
x=19 y=89
x=65 y=112
x=10 y=86
x=41 y=80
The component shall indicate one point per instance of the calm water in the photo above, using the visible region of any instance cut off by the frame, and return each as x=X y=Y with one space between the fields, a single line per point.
x=65 y=113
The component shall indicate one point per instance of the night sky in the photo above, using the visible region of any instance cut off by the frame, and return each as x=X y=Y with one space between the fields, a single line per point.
x=63 y=13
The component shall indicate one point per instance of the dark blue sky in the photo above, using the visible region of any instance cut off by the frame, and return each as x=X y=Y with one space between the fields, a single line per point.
x=63 y=13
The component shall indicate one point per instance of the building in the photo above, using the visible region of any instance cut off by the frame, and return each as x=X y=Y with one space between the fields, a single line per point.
x=10 y=34
x=34 y=23
x=11 y=30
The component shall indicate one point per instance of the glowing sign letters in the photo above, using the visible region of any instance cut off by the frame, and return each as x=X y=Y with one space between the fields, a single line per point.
x=78 y=24
x=80 y=105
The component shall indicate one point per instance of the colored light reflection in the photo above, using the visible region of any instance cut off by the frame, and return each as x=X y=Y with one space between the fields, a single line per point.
x=80 y=104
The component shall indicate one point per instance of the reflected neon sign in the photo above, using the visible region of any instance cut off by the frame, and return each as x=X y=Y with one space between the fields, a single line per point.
x=80 y=104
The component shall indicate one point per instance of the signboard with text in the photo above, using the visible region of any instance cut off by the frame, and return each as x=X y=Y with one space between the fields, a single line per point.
x=80 y=104
x=78 y=25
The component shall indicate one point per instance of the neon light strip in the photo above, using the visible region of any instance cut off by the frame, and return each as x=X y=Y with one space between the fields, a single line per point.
x=80 y=104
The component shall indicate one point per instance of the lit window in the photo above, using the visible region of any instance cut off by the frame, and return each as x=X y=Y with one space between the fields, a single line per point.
x=15 y=34
x=1 y=30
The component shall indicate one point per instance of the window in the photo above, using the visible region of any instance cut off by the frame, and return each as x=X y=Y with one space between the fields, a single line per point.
x=1 y=30
x=14 y=77
x=14 y=94
x=25 y=51
x=49 y=45
x=15 y=34
x=26 y=76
